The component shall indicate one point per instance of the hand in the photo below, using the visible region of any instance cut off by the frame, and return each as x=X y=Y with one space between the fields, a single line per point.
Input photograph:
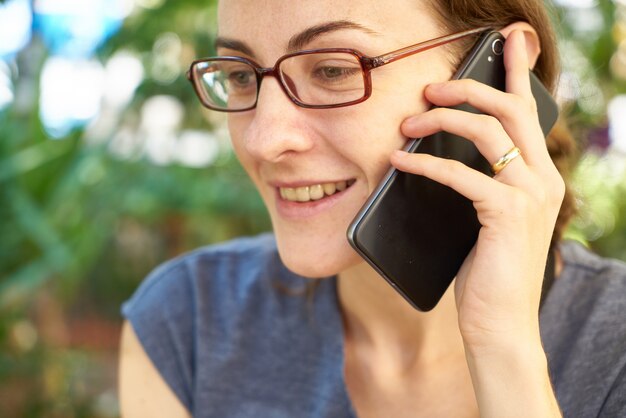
x=498 y=286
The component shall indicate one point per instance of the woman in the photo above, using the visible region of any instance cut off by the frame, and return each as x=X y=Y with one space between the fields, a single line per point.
x=224 y=332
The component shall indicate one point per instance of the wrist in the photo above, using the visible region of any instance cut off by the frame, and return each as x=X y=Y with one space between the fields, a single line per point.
x=509 y=355
x=504 y=344
x=511 y=377
x=497 y=333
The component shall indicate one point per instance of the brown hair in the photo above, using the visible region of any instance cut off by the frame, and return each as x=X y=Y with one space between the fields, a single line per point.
x=459 y=15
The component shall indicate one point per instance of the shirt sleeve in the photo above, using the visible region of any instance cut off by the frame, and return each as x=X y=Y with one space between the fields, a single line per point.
x=161 y=313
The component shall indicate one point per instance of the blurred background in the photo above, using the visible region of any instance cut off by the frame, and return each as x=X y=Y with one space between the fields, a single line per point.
x=109 y=166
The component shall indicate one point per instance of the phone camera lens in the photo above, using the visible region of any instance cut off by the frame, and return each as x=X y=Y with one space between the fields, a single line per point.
x=497 y=47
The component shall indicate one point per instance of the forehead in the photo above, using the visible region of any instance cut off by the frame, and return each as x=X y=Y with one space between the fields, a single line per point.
x=261 y=23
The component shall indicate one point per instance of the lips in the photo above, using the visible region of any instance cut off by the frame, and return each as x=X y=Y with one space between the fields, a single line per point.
x=313 y=192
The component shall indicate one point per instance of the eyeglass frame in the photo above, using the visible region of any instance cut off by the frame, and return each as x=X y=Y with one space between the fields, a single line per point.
x=367 y=63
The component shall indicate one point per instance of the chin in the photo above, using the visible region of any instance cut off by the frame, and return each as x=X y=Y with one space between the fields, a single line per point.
x=316 y=258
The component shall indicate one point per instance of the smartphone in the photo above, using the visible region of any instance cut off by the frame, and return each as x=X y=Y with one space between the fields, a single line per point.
x=416 y=232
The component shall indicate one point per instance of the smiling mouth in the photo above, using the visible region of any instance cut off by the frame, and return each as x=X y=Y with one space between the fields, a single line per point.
x=313 y=192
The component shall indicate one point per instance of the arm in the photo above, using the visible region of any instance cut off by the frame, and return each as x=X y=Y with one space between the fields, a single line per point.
x=143 y=392
x=511 y=380
x=504 y=353
x=498 y=286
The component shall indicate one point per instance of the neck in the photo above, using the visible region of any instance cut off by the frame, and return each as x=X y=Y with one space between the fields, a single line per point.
x=382 y=324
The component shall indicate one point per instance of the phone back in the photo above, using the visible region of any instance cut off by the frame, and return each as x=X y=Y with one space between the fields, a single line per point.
x=416 y=232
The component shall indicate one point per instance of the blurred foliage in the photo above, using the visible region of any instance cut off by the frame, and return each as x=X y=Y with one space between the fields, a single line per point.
x=81 y=226
x=593 y=48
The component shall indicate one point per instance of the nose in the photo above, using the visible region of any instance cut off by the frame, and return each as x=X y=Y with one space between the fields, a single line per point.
x=279 y=127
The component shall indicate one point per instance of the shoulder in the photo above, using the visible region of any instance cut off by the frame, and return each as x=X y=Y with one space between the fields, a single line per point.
x=591 y=290
x=218 y=271
x=584 y=332
x=203 y=297
x=587 y=301
x=589 y=283
x=240 y=258
x=576 y=257
x=226 y=278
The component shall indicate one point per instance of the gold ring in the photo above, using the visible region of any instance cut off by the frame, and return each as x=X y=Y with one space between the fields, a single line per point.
x=505 y=160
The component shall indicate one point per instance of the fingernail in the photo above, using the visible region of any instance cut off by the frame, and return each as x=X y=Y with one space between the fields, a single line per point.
x=412 y=121
x=522 y=39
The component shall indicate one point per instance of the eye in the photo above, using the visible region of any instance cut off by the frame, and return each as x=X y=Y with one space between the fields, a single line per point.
x=241 y=78
x=335 y=72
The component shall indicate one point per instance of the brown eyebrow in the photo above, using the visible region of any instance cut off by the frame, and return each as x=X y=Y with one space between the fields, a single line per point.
x=300 y=40
x=233 y=44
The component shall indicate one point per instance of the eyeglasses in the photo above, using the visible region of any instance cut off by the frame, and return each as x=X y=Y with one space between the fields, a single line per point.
x=316 y=78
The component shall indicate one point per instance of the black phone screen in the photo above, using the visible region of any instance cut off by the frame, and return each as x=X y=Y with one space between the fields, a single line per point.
x=416 y=232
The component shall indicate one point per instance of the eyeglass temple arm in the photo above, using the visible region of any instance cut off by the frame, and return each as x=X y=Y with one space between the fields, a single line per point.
x=422 y=46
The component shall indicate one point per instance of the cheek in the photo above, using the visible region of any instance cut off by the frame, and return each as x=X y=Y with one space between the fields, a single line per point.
x=237 y=126
x=370 y=131
x=366 y=134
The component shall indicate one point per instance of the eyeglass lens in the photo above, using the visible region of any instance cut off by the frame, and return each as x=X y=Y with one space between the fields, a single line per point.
x=324 y=78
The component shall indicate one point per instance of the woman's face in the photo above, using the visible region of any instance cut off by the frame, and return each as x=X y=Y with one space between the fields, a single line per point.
x=282 y=145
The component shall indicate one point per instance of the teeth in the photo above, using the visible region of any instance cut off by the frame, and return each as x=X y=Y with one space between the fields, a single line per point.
x=302 y=194
x=314 y=192
x=289 y=193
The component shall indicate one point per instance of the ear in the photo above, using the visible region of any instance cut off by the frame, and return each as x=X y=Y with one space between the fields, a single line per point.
x=533 y=46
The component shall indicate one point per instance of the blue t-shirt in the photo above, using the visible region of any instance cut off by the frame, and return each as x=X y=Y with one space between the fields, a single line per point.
x=236 y=334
